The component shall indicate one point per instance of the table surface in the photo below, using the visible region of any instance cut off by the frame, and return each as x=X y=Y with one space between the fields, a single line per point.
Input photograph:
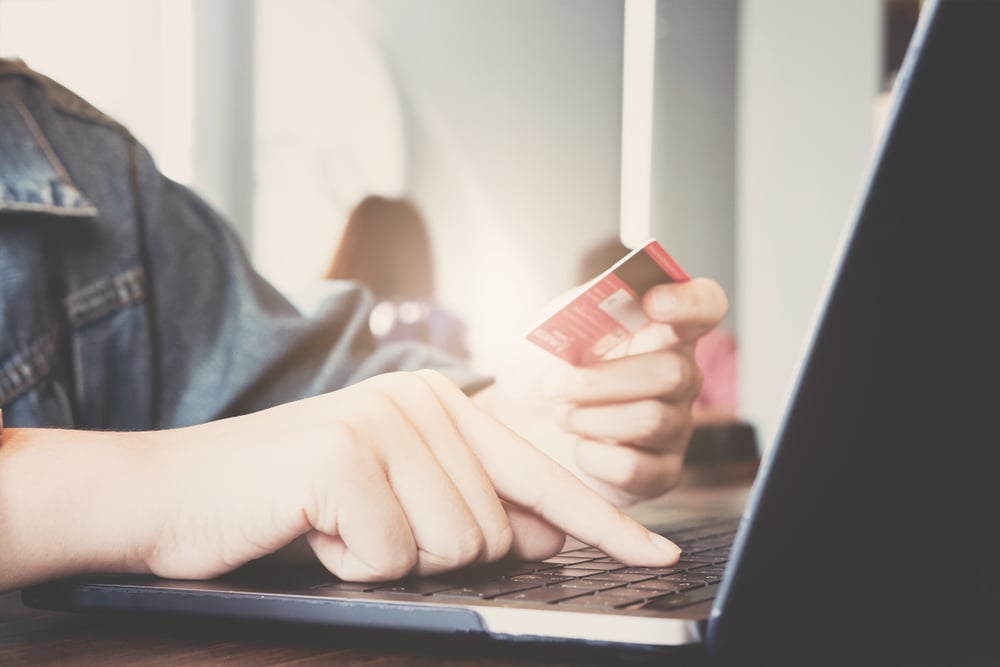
x=34 y=637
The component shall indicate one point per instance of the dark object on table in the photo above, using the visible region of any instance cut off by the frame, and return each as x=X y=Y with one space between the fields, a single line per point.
x=721 y=452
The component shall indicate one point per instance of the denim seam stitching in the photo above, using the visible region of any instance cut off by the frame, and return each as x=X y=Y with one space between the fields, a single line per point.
x=89 y=210
x=50 y=209
x=41 y=139
x=62 y=99
x=91 y=303
x=26 y=369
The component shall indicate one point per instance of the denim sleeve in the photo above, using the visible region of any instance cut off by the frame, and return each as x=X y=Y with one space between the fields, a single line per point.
x=126 y=302
x=228 y=342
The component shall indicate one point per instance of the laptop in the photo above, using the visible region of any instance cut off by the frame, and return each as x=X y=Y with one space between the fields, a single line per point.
x=884 y=469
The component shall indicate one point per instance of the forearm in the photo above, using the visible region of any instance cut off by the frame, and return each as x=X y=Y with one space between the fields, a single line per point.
x=74 y=502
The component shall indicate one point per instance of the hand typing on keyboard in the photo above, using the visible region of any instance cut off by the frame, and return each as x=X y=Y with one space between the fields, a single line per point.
x=400 y=474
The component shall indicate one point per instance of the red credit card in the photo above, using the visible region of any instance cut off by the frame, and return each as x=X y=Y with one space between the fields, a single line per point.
x=609 y=309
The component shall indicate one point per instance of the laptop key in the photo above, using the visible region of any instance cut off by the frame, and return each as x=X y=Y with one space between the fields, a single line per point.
x=588 y=585
x=705 y=558
x=534 y=566
x=613 y=598
x=588 y=552
x=570 y=572
x=591 y=565
x=718 y=542
x=702 y=533
x=624 y=577
x=489 y=589
x=543 y=595
x=338 y=586
x=538 y=579
x=681 y=600
x=567 y=560
x=686 y=564
x=552 y=576
x=663 y=585
x=653 y=571
x=416 y=587
x=677 y=568
x=692 y=578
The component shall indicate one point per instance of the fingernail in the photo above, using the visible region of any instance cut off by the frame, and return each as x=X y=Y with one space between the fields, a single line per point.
x=666 y=546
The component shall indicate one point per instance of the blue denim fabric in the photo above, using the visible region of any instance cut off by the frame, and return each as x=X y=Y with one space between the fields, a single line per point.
x=127 y=303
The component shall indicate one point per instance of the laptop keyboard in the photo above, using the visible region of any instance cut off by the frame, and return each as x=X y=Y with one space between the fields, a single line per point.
x=584 y=576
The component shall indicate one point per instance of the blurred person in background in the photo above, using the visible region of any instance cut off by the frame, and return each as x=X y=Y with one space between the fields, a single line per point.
x=386 y=246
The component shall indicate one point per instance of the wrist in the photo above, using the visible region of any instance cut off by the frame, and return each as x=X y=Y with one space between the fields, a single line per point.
x=73 y=502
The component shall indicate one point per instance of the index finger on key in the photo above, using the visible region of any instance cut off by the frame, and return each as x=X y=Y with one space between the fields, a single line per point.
x=524 y=476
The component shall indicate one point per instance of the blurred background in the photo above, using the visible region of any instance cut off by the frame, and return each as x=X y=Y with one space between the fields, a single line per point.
x=737 y=132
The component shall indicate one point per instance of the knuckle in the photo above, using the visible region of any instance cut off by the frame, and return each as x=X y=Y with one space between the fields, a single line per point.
x=399 y=384
x=498 y=538
x=626 y=472
x=631 y=472
x=670 y=372
x=469 y=545
x=680 y=375
x=376 y=410
x=691 y=378
x=398 y=564
x=579 y=382
x=472 y=548
x=647 y=481
x=653 y=417
x=673 y=467
x=351 y=453
x=500 y=543
x=430 y=375
x=348 y=444
x=463 y=549
x=368 y=407
x=387 y=564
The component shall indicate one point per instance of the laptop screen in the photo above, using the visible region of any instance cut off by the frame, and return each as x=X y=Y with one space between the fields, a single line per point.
x=887 y=455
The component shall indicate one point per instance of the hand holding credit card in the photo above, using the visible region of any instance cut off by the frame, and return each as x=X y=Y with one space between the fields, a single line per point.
x=611 y=396
x=609 y=309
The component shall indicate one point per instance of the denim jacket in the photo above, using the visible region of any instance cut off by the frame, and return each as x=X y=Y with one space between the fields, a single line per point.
x=127 y=303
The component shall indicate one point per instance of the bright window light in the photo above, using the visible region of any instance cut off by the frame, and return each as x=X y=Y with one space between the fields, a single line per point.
x=637 y=120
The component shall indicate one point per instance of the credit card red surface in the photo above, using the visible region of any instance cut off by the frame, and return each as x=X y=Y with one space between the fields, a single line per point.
x=609 y=309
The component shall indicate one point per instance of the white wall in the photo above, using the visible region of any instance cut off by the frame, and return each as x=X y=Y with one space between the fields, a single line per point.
x=513 y=113
x=130 y=58
x=223 y=128
x=808 y=80
x=694 y=137
x=510 y=120
x=329 y=131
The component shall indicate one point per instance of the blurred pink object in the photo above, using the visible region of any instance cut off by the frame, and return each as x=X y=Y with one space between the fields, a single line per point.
x=716 y=356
